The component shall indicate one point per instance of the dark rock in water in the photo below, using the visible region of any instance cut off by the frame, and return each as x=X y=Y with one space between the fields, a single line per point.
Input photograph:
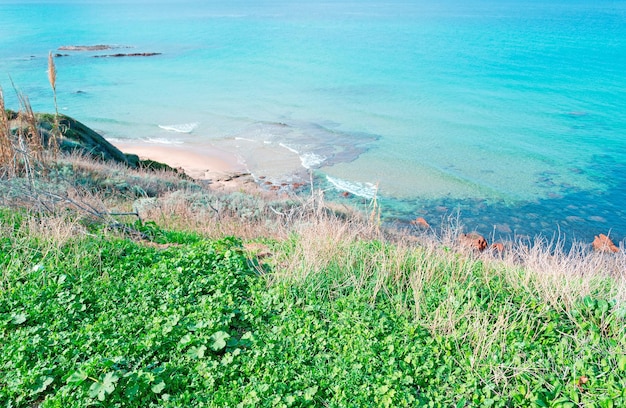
x=61 y=55
x=76 y=137
x=135 y=54
x=99 y=47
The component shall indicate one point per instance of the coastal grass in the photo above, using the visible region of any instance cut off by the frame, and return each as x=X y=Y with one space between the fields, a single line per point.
x=333 y=313
x=139 y=288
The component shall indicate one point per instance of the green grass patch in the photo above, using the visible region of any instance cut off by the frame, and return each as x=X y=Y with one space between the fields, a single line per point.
x=105 y=321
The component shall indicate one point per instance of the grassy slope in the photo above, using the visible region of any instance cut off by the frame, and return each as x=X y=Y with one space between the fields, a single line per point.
x=96 y=319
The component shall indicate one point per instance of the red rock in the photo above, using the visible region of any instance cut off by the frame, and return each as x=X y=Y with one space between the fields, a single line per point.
x=345 y=194
x=497 y=247
x=602 y=243
x=420 y=222
x=473 y=240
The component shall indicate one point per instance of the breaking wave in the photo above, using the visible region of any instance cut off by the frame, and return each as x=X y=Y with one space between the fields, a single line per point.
x=180 y=128
x=315 y=145
x=365 y=190
x=159 y=140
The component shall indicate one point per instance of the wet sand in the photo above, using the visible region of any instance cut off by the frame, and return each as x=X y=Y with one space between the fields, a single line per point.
x=202 y=163
x=222 y=168
x=232 y=165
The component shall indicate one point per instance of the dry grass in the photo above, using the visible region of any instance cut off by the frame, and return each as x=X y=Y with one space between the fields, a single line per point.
x=324 y=243
x=561 y=277
x=23 y=151
x=7 y=151
x=330 y=249
x=55 y=135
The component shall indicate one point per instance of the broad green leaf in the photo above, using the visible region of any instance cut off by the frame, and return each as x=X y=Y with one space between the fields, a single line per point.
x=196 y=352
x=621 y=363
x=101 y=388
x=186 y=339
x=41 y=384
x=603 y=306
x=76 y=377
x=589 y=302
x=219 y=340
x=159 y=387
x=19 y=318
x=310 y=392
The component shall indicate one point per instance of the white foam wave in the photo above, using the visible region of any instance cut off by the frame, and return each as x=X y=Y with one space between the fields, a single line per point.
x=291 y=149
x=365 y=190
x=180 y=128
x=158 y=140
x=245 y=139
x=311 y=160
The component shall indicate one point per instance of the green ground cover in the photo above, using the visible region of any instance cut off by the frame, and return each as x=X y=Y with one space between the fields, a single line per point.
x=102 y=320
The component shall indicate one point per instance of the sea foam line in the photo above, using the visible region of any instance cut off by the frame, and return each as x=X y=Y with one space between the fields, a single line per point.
x=365 y=190
x=308 y=160
x=312 y=160
x=180 y=128
x=159 y=140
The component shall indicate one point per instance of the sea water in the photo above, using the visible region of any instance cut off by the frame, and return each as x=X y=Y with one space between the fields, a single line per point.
x=511 y=114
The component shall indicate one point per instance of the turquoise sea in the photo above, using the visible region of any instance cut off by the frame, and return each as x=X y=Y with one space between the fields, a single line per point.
x=511 y=113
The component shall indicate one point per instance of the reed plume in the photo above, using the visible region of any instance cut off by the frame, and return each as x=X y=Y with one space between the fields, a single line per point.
x=52 y=74
x=30 y=129
x=55 y=134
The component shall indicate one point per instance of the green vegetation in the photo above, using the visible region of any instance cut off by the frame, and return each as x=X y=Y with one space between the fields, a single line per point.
x=130 y=285
x=95 y=318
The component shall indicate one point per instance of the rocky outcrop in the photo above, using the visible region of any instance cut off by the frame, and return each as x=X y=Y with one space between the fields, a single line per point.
x=134 y=54
x=473 y=240
x=497 y=247
x=602 y=243
x=99 y=47
x=76 y=137
x=420 y=222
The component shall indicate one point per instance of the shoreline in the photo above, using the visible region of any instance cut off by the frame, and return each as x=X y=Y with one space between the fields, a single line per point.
x=202 y=163
x=222 y=169
x=264 y=171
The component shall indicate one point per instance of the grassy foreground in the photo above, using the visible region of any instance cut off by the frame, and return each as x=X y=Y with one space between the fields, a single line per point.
x=89 y=317
x=235 y=300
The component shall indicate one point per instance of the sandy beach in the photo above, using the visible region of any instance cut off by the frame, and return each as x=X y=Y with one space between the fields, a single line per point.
x=233 y=165
x=222 y=168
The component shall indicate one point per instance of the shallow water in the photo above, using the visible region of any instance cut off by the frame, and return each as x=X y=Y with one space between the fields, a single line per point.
x=512 y=114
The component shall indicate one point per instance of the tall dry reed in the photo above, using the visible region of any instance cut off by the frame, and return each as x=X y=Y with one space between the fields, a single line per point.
x=7 y=152
x=55 y=134
x=23 y=151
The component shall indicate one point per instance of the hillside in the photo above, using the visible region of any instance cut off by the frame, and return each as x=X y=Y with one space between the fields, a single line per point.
x=135 y=287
